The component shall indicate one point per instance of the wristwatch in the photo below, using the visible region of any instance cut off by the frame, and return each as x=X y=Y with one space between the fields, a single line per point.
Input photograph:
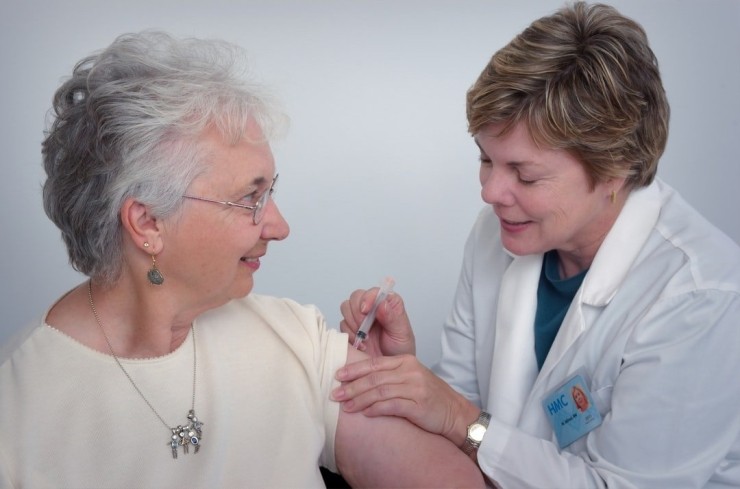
x=476 y=430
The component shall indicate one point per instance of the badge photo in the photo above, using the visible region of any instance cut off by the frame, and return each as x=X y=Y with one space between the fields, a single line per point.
x=571 y=411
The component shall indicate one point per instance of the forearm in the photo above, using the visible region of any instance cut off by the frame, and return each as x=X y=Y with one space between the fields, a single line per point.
x=392 y=452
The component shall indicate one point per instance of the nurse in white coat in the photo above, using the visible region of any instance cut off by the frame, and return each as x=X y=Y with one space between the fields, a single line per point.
x=594 y=339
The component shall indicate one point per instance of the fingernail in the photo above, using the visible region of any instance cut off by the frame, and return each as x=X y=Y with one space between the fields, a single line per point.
x=347 y=406
x=341 y=374
x=363 y=308
x=337 y=394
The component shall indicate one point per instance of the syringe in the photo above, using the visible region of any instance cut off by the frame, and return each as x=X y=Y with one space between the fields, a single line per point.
x=385 y=288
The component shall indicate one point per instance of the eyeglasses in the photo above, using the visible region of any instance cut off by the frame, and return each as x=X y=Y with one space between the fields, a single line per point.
x=258 y=209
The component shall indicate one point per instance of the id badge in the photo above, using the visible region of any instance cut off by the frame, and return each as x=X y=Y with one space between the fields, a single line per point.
x=571 y=411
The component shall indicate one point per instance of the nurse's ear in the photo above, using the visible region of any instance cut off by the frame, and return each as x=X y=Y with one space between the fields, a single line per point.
x=615 y=189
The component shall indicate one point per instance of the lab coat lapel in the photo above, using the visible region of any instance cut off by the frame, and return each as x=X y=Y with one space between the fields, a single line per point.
x=612 y=262
x=514 y=365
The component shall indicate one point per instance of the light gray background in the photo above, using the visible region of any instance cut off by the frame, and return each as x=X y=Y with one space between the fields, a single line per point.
x=378 y=174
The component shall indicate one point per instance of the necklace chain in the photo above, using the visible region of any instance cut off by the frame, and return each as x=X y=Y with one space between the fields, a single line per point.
x=181 y=435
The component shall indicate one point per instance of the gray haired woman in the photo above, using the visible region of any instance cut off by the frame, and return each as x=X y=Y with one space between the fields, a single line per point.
x=163 y=370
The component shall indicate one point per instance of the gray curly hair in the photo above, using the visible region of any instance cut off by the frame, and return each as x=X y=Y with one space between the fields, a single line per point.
x=126 y=124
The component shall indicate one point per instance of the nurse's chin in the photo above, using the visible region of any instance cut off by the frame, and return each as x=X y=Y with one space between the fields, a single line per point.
x=517 y=248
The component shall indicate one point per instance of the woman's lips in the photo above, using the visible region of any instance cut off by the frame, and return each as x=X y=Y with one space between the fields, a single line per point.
x=253 y=263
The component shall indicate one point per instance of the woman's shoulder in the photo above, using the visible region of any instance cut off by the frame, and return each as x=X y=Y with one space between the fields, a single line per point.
x=15 y=340
x=58 y=317
x=278 y=305
x=274 y=323
x=267 y=309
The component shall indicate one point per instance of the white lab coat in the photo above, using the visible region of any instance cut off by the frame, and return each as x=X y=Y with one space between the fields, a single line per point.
x=655 y=327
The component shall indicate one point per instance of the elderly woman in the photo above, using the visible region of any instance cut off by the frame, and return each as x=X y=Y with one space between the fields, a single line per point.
x=163 y=370
x=583 y=269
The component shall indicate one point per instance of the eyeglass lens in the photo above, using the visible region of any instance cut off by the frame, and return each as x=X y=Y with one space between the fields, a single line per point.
x=259 y=210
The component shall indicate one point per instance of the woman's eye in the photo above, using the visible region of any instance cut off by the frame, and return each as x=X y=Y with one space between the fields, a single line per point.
x=250 y=199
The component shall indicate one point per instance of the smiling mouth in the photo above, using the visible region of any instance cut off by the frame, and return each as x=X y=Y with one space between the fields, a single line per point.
x=247 y=259
x=514 y=223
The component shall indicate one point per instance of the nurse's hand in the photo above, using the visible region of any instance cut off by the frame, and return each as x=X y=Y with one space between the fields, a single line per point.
x=402 y=386
x=390 y=334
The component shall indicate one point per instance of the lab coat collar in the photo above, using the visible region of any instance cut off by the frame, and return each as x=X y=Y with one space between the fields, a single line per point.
x=621 y=246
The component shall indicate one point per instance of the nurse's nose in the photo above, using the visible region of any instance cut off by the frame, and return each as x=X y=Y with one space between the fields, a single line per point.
x=496 y=187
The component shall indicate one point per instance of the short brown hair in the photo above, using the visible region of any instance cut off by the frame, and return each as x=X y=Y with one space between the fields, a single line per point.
x=585 y=80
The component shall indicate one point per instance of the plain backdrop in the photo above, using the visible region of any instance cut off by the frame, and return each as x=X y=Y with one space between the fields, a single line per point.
x=378 y=175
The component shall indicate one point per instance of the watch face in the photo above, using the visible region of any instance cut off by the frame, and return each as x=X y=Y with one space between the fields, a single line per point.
x=477 y=431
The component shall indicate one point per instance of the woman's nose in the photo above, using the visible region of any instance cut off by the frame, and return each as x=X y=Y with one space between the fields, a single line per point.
x=274 y=227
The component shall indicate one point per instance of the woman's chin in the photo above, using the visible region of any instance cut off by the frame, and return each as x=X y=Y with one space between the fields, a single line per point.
x=242 y=289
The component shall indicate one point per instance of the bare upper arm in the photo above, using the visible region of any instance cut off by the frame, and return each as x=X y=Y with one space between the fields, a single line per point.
x=389 y=451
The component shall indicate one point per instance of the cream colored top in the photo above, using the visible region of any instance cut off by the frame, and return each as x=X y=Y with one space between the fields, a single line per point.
x=69 y=418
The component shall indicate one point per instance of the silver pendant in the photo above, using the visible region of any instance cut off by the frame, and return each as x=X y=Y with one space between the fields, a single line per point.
x=184 y=436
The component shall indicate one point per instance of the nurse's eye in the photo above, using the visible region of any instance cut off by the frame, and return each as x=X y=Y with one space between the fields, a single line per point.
x=484 y=160
x=525 y=181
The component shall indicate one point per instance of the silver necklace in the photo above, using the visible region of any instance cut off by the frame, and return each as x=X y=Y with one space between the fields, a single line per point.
x=182 y=435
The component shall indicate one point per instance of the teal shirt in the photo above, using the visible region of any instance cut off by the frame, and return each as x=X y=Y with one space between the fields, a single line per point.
x=554 y=296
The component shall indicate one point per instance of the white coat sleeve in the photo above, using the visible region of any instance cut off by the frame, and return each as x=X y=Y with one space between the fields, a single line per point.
x=457 y=364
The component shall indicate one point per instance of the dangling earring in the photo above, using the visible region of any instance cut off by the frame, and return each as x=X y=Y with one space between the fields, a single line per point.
x=614 y=196
x=154 y=275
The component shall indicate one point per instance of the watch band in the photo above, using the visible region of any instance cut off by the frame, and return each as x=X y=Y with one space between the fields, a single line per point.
x=476 y=430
